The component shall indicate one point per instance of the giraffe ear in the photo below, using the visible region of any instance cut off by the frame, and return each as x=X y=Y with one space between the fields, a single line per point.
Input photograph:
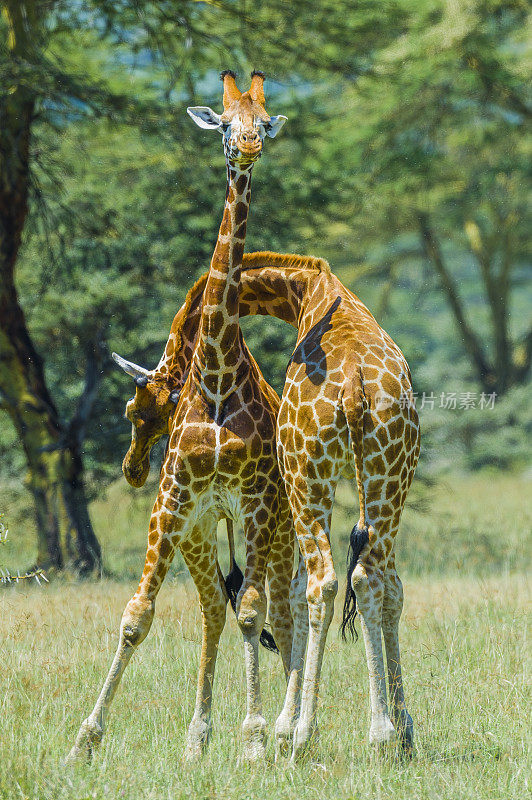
x=205 y=117
x=274 y=125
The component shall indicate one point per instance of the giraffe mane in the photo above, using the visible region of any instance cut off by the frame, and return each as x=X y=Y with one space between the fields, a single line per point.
x=195 y=290
x=265 y=258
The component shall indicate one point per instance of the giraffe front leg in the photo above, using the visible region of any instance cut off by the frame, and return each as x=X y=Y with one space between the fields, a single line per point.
x=391 y=613
x=199 y=553
x=136 y=622
x=280 y=568
x=251 y=615
x=287 y=719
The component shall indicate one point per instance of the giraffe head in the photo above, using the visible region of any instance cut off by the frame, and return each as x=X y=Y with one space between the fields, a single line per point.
x=244 y=122
x=149 y=412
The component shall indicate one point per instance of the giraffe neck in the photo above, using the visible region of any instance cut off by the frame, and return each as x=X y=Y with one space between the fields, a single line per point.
x=271 y=284
x=177 y=356
x=276 y=292
x=218 y=347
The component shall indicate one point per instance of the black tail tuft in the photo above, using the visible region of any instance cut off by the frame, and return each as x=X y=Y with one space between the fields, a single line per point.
x=266 y=639
x=357 y=542
x=233 y=582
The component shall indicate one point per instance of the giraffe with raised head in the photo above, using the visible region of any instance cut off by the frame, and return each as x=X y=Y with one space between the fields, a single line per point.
x=347 y=408
x=220 y=460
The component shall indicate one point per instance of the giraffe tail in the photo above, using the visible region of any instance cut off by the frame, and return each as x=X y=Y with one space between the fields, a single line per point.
x=359 y=537
x=234 y=581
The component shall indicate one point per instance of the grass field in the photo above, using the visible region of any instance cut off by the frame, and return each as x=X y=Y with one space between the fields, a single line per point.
x=465 y=658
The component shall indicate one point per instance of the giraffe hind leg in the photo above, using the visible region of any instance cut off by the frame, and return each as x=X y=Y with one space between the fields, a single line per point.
x=391 y=613
x=368 y=584
x=312 y=527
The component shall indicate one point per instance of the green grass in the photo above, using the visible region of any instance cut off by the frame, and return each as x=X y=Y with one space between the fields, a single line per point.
x=464 y=525
x=465 y=658
x=465 y=663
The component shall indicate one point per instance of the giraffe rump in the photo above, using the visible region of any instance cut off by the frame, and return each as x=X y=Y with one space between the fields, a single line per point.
x=358 y=540
x=233 y=581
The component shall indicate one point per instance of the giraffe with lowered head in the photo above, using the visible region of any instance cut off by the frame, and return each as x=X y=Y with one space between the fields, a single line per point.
x=221 y=459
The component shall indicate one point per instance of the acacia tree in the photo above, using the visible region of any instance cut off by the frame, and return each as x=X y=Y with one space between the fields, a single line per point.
x=438 y=151
x=52 y=449
x=48 y=81
x=37 y=87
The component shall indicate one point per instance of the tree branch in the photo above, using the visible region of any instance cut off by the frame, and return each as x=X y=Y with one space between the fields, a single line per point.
x=97 y=351
x=471 y=342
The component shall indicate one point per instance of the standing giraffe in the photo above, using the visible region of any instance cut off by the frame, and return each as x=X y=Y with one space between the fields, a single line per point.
x=346 y=409
x=221 y=459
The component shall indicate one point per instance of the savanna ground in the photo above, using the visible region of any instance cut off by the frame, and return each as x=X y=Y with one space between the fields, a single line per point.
x=463 y=557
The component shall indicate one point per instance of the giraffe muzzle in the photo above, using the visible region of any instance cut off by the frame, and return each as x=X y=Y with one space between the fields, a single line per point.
x=136 y=470
x=249 y=149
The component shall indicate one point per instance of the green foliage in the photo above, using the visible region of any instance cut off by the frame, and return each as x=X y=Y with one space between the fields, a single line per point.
x=395 y=109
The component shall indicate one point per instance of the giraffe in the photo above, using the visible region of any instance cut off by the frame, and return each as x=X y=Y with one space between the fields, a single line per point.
x=220 y=461
x=347 y=408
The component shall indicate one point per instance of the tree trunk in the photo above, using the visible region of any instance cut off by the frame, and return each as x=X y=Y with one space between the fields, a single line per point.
x=55 y=466
x=54 y=477
x=88 y=553
x=27 y=402
x=497 y=288
x=485 y=372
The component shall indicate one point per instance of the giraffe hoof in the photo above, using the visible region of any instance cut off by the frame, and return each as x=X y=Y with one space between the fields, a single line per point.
x=254 y=739
x=284 y=737
x=405 y=732
x=193 y=751
x=306 y=737
x=283 y=745
x=383 y=738
x=199 y=733
x=89 y=737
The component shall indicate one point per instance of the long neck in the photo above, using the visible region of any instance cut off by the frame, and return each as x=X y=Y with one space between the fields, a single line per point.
x=218 y=346
x=271 y=284
x=281 y=284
